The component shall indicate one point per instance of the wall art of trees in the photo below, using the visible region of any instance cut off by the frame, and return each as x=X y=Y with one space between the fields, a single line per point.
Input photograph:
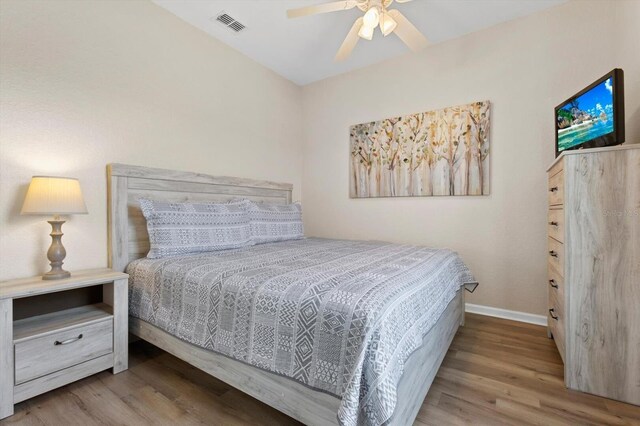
x=442 y=152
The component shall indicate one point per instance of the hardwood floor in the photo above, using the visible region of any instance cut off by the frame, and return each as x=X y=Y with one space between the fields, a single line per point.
x=497 y=372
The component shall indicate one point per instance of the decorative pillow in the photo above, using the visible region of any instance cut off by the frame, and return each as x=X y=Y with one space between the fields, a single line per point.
x=181 y=228
x=275 y=222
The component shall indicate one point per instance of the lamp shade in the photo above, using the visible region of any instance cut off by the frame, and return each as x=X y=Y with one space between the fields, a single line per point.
x=54 y=195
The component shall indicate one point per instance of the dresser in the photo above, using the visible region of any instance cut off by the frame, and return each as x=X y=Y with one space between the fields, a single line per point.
x=593 y=256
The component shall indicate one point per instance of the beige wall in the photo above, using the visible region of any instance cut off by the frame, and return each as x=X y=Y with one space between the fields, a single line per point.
x=524 y=67
x=85 y=83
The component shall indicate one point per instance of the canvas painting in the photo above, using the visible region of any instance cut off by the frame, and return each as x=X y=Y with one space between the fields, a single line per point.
x=442 y=152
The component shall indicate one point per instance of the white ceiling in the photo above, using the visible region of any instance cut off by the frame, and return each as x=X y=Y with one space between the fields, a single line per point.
x=302 y=49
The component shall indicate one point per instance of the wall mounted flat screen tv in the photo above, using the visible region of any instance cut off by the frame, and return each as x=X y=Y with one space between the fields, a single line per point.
x=594 y=117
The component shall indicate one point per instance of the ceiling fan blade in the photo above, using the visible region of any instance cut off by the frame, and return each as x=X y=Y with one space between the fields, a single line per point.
x=349 y=42
x=407 y=32
x=322 y=8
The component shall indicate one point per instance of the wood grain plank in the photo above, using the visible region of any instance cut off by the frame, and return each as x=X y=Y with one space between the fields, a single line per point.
x=126 y=170
x=181 y=196
x=156 y=408
x=6 y=357
x=98 y=400
x=117 y=223
x=557 y=164
x=527 y=414
x=223 y=190
x=59 y=378
x=603 y=273
x=116 y=295
x=192 y=396
x=41 y=325
x=65 y=409
x=26 y=287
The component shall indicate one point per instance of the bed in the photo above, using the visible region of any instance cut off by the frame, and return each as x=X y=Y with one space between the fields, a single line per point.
x=326 y=331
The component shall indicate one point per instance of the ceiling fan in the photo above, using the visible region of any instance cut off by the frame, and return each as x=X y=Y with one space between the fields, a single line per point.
x=376 y=14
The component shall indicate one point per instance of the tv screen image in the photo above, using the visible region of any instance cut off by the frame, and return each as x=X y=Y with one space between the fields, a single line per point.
x=594 y=117
x=586 y=117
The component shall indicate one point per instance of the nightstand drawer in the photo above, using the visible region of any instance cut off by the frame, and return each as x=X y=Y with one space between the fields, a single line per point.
x=42 y=354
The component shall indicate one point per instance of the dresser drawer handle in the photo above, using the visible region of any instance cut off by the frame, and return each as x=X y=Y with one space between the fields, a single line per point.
x=553 y=223
x=554 y=189
x=553 y=254
x=553 y=284
x=66 y=342
x=553 y=315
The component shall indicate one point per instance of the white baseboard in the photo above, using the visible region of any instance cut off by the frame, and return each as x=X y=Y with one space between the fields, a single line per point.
x=506 y=314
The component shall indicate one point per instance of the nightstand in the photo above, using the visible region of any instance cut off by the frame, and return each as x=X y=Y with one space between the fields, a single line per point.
x=43 y=347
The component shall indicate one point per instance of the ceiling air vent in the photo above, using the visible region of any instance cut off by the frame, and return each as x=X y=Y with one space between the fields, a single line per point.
x=236 y=26
x=230 y=22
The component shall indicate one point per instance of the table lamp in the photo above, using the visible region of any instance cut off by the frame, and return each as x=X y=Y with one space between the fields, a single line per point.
x=50 y=195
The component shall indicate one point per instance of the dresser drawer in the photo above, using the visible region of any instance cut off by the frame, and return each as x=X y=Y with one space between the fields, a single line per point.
x=556 y=189
x=556 y=285
x=556 y=255
x=557 y=168
x=42 y=354
x=555 y=319
x=555 y=224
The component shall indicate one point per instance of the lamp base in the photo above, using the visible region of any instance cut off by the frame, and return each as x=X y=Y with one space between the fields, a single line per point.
x=56 y=253
x=56 y=275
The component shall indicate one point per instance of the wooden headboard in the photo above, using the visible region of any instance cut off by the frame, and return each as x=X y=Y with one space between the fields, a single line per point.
x=128 y=239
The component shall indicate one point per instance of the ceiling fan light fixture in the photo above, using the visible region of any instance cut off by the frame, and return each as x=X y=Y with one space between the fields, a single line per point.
x=375 y=13
x=372 y=17
x=387 y=24
x=366 y=32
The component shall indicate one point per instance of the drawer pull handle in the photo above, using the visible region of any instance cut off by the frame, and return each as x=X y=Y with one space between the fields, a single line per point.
x=553 y=254
x=66 y=342
x=553 y=284
x=554 y=189
x=553 y=315
x=553 y=223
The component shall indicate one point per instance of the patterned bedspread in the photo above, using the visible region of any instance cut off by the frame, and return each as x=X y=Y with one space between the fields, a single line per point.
x=339 y=316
